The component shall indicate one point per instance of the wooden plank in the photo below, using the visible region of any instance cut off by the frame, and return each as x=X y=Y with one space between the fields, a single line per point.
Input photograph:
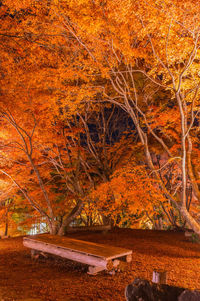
x=93 y=270
x=65 y=253
x=100 y=250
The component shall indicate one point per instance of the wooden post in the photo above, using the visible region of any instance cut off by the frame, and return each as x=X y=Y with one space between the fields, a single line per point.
x=34 y=254
x=129 y=258
x=116 y=262
x=159 y=277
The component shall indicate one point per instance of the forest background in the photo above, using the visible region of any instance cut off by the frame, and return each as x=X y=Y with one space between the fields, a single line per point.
x=99 y=113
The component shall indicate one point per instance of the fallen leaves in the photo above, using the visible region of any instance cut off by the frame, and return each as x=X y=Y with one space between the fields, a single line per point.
x=56 y=279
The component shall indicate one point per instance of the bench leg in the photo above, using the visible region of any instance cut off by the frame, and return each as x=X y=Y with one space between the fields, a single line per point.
x=116 y=262
x=129 y=258
x=34 y=254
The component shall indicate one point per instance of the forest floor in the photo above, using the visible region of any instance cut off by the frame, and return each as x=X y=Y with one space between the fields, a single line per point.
x=53 y=278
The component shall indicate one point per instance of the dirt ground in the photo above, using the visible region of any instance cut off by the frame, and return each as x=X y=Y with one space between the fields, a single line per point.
x=53 y=278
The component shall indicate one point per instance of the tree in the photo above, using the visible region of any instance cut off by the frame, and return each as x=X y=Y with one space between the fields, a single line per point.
x=126 y=54
x=147 y=38
x=31 y=103
x=131 y=192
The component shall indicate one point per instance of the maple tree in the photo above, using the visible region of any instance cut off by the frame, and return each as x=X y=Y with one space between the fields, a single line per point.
x=123 y=40
x=26 y=112
x=71 y=60
x=50 y=168
x=137 y=194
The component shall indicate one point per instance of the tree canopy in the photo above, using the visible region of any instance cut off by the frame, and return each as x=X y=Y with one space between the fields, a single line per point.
x=99 y=106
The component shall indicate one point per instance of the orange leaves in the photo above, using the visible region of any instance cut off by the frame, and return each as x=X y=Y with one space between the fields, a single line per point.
x=18 y=4
x=130 y=190
x=64 y=57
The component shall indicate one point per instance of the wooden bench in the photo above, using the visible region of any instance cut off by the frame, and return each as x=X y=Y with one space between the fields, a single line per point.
x=98 y=228
x=99 y=257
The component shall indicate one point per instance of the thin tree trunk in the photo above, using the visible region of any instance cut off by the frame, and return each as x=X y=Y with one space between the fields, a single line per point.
x=6 y=224
x=74 y=213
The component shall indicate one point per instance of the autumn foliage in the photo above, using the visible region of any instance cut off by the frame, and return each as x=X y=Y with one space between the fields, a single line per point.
x=99 y=107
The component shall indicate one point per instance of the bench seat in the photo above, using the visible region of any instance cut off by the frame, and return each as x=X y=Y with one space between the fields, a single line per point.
x=98 y=256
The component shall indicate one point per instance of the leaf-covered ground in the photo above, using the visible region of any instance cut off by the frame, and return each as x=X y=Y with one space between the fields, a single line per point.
x=54 y=278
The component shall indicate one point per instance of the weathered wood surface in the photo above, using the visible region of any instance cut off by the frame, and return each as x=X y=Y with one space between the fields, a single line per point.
x=90 y=248
x=65 y=253
x=93 y=254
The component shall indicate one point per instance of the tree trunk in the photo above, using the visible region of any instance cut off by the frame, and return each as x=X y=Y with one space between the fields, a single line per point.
x=74 y=213
x=53 y=226
x=190 y=220
x=6 y=225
